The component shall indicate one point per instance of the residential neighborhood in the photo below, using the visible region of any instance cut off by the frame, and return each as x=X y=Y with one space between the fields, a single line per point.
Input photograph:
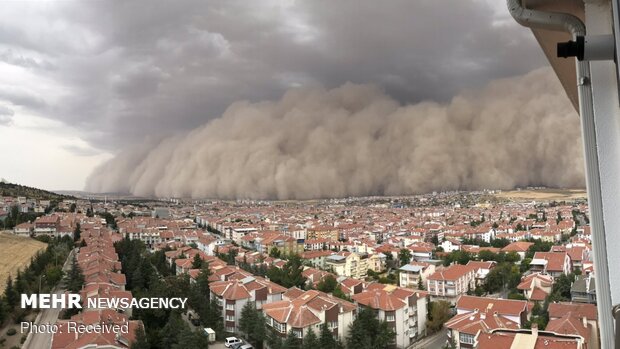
x=460 y=275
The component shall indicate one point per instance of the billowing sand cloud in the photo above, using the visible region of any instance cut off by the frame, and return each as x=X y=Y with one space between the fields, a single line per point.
x=355 y=140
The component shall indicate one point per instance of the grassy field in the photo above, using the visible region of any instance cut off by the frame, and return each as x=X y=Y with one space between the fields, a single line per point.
x=15 y=253
x=543 y=195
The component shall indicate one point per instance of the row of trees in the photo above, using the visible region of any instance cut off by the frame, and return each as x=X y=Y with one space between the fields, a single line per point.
x=164 y=328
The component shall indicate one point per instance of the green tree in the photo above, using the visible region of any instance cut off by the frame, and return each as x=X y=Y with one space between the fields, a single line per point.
x=328 y=284
x=3 y=310
x=439 y=313
x=188 y=339
x=75 y=278
x=404 y=256
x=311 y=341
x=274 y=252
x=421 y=286
x=53 y=274
x=291 y=341
x=367 y=331
x=512 y=257
x=141 y=342
x=252 y=324
x=10 y=294
x=274 y=341
x=290 y=275
x=340 y=294
x=197 y=262
x=326 y=339
x=486 y=255
x=77 y=232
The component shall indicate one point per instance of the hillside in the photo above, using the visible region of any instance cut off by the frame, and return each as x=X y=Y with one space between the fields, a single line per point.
x=11 y=189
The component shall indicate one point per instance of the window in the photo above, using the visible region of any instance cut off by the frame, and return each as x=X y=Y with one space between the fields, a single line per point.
x=279 y=327
x=389 y=318
x=332 y=325
x=230 y=329
x=230 y=318
x=230 y=307
x=298 y=333
x=466 y=338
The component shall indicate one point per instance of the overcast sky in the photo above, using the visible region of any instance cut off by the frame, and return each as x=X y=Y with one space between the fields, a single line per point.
x=83 y=80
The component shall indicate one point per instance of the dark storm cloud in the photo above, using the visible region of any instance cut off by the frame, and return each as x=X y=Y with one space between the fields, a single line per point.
x=129 y=69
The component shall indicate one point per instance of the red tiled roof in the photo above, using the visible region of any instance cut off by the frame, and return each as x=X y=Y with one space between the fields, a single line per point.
x=471 y=323
x=501 y=306
x=453 y=272
x=557 y=310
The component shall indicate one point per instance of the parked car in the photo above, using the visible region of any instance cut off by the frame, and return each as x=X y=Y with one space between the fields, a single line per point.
x=237 y=346
x=246 y=346
x=231 y=340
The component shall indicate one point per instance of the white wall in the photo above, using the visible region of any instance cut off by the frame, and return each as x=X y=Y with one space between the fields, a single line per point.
x=607 y=120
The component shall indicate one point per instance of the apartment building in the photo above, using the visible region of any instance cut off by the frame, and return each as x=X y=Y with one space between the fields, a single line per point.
x=301 y=312
x=404 y=310
x=527 y=339
x=552 y=263
x=411 y=274
x=451 y=282
x=348 y=264
x=233 y=294
x=513 y=310
x=323 y=232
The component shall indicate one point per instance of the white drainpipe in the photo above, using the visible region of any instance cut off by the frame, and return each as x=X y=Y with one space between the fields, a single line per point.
x=569 y=23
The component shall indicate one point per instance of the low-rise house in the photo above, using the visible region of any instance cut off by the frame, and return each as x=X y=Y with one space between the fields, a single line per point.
x=24 y=229
x=536 y=287
x=316 y=258
x=450 y=245
x=481 y=269
x=520 y=247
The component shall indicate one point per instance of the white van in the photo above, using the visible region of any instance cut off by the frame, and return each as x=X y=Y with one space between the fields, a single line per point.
x=230 y=341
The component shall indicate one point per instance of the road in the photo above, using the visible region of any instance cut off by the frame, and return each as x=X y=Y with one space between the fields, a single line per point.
x=435 y=341
x=48 y=316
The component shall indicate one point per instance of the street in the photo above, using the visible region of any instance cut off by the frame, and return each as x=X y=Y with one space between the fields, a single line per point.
x=48 y=316
x=435 y=341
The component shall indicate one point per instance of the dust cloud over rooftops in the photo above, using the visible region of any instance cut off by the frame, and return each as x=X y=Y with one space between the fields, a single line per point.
x=355 y=140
